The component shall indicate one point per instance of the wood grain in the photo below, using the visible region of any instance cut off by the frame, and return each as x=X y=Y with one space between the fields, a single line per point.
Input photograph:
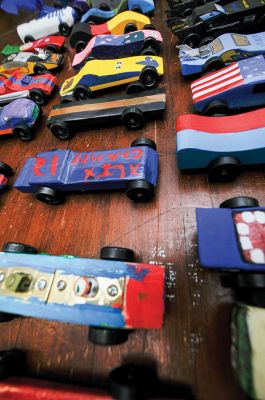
x=193 y=346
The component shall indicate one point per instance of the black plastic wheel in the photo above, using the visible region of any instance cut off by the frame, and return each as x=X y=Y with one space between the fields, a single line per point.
x=12 y=363
x=148 y=51
x=5 y=169
x=117 y=253
x=23 y=132
x=142 y=141
x=132 y=118
x=40 y=69
x=135 y=87
x=104 y=7
x=107 y=336
x=38 y=96
x=240 y=202
x=150 y=42
x=15 y=247
x=61 y=130
x=132 y=382
x=6 y=317
x=28 y=39
x=192 y=40
x=149 y=76
x=64 y=29
x=140 y=191
x=80 y=45
x=224 y=169
x=130 y=28
x=205 y=41
x=82 y=93
x=49 y=196
x=53 y=48
x=150 y=27
x=216 y=108
x=187 y=12
x=212 y=65
x=68 y=99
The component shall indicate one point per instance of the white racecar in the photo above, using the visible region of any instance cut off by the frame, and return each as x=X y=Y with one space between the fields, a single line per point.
x=60 y=20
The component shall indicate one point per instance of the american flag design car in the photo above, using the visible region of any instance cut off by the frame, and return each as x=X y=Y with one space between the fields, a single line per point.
x=242 y=84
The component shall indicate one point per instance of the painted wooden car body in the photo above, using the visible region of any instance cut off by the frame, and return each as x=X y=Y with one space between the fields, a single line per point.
x=85 y=298
x=27 y=63
x=240 y=85
x=115 y=46
x=97 y=75
x=86 y=4
x=213 y=19
x=115 y=26
x=49 y=24
x=231 y=239
x=201 y=140
x=20 y=86
x=50 y=43
x=228 y=48
x=20 y=111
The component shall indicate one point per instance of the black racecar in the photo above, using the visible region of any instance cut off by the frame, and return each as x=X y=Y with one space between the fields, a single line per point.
x=213 y=19
x=183 y=8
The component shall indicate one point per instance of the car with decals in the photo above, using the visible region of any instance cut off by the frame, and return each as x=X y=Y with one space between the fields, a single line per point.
x=50 y=175
x=146 y=42
x=18 y=118
x=142 y=71
x=222 y=51
x=112 y=295
x=60 y=20
x=54 y=44
x=125 y=22
x=32 y=63
x=131 y=110
x=84 y=5
x=17 y=85
x=212 y=19
x=239 y=86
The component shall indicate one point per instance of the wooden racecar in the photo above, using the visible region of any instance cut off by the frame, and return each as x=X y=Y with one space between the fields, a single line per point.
x=16 y=86
x=238 y=86
x=50 y=175
x=131 y=110
x=222 y=51
x=31 y=63
x=140 y=71
x=51 y=43
x=111 y=295
x=18 y=118
x=102 y=47
x=60 y=20
x=125 y=22
x=212 y=19
x=222 y=145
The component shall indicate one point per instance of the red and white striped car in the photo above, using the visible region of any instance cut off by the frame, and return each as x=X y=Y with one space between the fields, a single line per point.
x=241 y=85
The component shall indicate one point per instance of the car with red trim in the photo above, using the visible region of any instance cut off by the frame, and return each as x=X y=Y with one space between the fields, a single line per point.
x=54 y=44
x=16 y=86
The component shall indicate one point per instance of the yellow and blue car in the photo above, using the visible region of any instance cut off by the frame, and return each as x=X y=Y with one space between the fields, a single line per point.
x=97 y=75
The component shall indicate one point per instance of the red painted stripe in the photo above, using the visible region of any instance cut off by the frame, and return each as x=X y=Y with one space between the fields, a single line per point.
x=213 y=75
x=217 y=91
x=235 y=123
x=214 y=82
x=101 y=29
x=5 y=131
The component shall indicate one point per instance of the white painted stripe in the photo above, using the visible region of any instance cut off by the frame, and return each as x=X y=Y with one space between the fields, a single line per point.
x=216 y=87
x=212 y=76
x=14 y=95
x=205 y=85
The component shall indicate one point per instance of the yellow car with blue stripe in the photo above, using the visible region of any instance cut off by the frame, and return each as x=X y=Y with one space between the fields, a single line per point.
x=98 y=74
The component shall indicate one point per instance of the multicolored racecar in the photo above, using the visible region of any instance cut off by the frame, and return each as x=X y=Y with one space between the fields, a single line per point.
x=222 y=51
x=110 y=295
x=50 y=43
x=97 y=75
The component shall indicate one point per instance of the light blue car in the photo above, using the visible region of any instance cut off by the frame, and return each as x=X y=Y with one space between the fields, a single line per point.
x=220 y=52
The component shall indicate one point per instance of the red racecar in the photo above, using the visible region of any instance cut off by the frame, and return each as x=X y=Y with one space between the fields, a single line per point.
x=52 y=43
x=18 y=85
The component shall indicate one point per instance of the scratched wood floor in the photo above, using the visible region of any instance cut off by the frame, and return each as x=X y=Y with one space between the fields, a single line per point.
x=193 y=346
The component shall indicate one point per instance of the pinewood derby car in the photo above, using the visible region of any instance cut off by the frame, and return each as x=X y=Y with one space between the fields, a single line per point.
x=222 y=145
x=212 y=19
x=146 y=42
x=31 y=63
x=84 y=5
x=60 y=20
x=222 y=51
x=50 y=175
x=54 y=44
x=239 y=86
x=141 y=71
x=17 y=85
x=18 y=118
x=125 y=22
x=131 y=110
x=111 y=295
x=5 y=172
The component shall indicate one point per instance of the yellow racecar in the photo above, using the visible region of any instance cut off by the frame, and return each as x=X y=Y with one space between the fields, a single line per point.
x=31 y=63
x=98 y=74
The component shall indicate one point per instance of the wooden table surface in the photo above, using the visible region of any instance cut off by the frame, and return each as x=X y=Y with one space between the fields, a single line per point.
x=194 y=345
